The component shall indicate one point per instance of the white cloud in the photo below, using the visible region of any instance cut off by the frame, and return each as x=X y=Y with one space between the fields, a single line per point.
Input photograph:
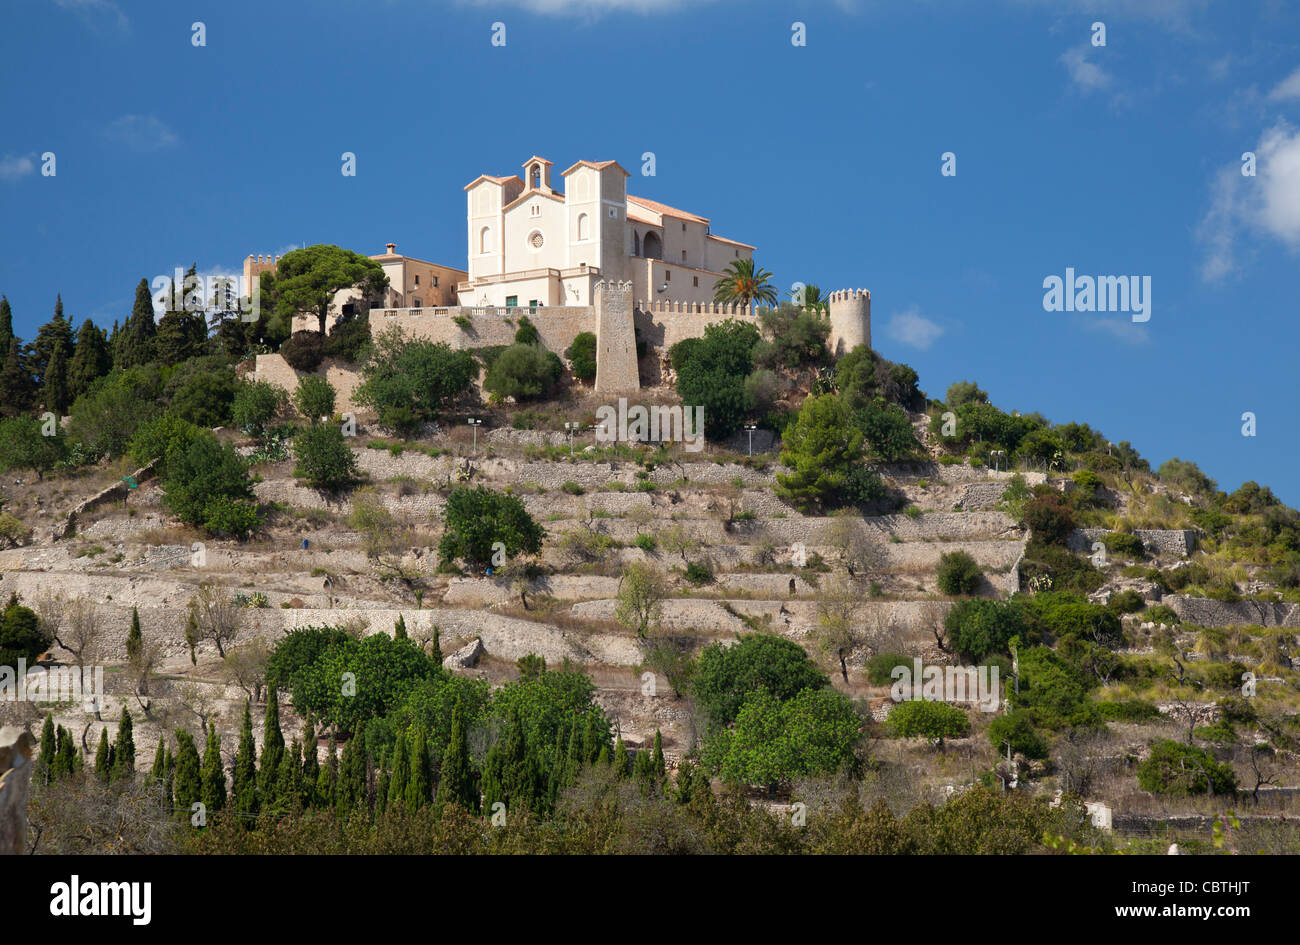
x=910 y=327
x=1086 y=76
x=96 y=13
x=13 y=167
x=1268 y=203
x=141 y=133
x=1287 y=89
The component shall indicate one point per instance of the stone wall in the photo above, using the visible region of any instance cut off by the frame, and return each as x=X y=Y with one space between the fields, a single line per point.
x=274 y=369
x=1217 y=613
x=1169 y=542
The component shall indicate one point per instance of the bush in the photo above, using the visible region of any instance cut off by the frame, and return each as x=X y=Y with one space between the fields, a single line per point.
x=408 y=381
x=1184 y=770
x=523 y=372
x=1161 y=613
x=348 y=337
x=1050 y=518
x=21 y=635
x=757 y=661
x=821 y=448
x=527 y=332
x=699 y=573
x=202 y=391
x=304 y=350
x=572 y=488
x=931 y=720
x=1124 y=543
x=582 y=354
x=314 y=397
x=958 y=573
x=324 y=458
x=1126 y=601
x=711 y=373
x=1129 y=710
x=980 y=628
x=256 y=404
x=646 y=542
x=1017 y=728
x=204 y=481
x=881 y=667
x=477 y=518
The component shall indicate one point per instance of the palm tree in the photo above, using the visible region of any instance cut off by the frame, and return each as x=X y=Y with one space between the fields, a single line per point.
x=744 y=283
x=814 y=300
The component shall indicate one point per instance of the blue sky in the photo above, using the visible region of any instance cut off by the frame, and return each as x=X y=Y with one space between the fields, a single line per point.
x=1115 y=160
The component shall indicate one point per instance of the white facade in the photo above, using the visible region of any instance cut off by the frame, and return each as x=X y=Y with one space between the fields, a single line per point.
x=532 y=245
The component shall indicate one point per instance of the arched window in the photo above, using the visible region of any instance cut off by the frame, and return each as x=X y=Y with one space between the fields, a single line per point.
x=485 y=240
x=536 y=175
x=636 y=243
x=654 y=246
x=583 y=227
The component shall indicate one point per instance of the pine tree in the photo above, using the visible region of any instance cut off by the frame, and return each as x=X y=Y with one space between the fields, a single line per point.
x=55 y=381
x=124 y=750
x=134 y=638
x=400 y=773
x=244 y=776
x=213 y=791
x=419 y=790
x=456 y=785
x=49 y=742
x=50 y=336
x=103 y=757
x=91 y=360
x=188 y=784
x=272 y=748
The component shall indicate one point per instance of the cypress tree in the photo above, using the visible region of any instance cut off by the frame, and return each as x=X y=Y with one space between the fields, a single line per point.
x=188 y=784
x=138 y=333
x=90 y=360
x=6 y=324
x=456 y=785
x=310 y=762
x=288 y=782
x=351 y=791
x=66 y=762
x=400 y=774
x=15 y=382
x=134 y=638
x=399 y=628
x=660 y=766
x=510 y=772
x=381 y=786
x=620 y=758
x=169 y=777
x=213 y=790
x=244 y=776
x=103 y=757
x=435 y=651
x=55 y=381
x=158 y=773
x=51 y=335
x=124 y=750
x=592 y=743
x=327 y=791
x=419 y=790
x=272 y=747
x=49 y=750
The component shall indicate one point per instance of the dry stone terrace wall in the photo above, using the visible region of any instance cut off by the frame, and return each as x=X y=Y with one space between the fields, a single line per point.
x=1217 y=613
x=274 y=369
x=1178 y=543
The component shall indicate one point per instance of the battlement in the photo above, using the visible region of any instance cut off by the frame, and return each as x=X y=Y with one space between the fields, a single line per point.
x=847 y=295
x=696 y=308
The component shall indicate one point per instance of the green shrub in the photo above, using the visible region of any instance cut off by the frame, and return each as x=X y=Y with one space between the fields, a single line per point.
x=523 y=372
x=582 y=354
x=1124 y=543
x=980 y=628
x=881 y=666
x=646 y=542
x=958 y=573
x=314 y=397
x=698 y=572
x=324 y=458
x=1050 y=518
x=725 y=675
x=304 y=350
x=931 y=720
x=1161 y=613
x=207 y=481
x=1183 y=770
x=572 y=488
x=408 y=381
x=255 y=406
x=1127 y=601
x=476 y=519
x=1129 y=710
x=1017 y=728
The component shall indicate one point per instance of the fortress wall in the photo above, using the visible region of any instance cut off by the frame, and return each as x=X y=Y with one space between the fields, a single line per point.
x=557 y=326
x=274 y=369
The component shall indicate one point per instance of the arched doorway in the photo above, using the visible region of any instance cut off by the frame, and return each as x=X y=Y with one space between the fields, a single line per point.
x=652 y=247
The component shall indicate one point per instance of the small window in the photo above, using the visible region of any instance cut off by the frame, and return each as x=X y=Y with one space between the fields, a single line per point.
x=417 y=282
x=697 y=281
x=512 y=301
x=668 y=275
x=683 y=255
x=683 y=227
x=737 y=252
x=613 y=213
x=535 y=210
x=435 y=282
x=532 y=303
x=349 y=309
x=415 y=303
